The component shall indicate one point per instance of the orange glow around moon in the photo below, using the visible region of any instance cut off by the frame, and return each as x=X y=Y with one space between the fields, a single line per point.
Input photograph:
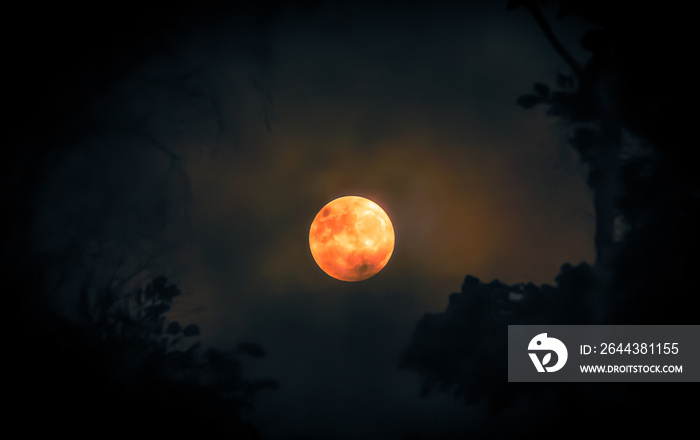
x=351 y=238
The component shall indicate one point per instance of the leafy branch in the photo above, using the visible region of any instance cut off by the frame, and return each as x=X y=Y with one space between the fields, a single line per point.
x=134 y=331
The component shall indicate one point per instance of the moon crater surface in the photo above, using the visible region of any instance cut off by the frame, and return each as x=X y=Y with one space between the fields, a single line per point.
x=351 y=238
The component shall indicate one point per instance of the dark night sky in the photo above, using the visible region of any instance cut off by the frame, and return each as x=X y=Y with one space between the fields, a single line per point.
x=199 y=143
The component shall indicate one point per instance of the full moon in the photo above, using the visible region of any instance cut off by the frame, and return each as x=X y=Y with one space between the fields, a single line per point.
x=351 y=238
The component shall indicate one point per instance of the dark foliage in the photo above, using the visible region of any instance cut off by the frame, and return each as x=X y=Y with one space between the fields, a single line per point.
x=126 y=369
x=463 y=350
x=647 y=205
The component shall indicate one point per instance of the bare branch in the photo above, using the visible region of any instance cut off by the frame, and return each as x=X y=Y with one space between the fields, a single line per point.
x=534 y=8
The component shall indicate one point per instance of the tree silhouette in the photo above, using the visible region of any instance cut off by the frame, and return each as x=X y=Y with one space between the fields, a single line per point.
x=644 y=189
x=647 y=207
x=125 y=366
x=463 y=350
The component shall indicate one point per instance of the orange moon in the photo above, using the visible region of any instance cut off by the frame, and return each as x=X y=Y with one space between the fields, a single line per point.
x=351 y=238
